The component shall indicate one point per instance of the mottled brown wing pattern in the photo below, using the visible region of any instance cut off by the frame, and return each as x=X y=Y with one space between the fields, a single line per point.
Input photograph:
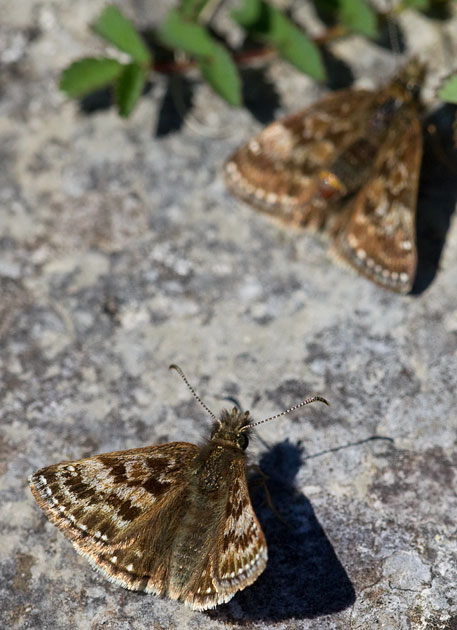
x=173 y=520
x=239 y=553
x=110 y=506
x=349 y=164
x=242 y=545
x=144 y=559
x=148 y=519
x=377 y=236
x=275 y=171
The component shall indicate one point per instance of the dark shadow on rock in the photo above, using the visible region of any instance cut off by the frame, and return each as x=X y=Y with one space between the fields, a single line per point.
x=176 y=103
x=259 y=94
x=439 y=10
x=96 y=101
x=103 y=99
x=339 y=74
x=437 y=194
x=303 y=577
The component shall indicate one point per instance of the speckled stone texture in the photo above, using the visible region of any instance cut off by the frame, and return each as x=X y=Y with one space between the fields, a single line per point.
x=121 y=252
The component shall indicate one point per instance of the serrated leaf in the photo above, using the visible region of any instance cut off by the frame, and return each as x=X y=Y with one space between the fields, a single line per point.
x=119 y=31
x=222 y=74
x=448 y=91
x=129 y=87
x=192 y=38
x=358 y=16
x=89 y=74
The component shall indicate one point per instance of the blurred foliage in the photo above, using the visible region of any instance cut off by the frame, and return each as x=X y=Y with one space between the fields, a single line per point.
x=448 y=91
x=187 y=37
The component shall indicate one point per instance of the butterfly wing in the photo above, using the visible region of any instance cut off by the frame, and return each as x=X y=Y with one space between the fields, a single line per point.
x=377 y=232
x=150 y=519
x=121 y=510
x=274 y=171
x=238 y=554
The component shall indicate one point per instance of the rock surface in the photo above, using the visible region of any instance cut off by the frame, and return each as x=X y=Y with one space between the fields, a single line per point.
x=122 y=252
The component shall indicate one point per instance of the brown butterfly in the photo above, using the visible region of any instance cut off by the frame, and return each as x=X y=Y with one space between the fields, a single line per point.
x=350 y=164
x=175 y=519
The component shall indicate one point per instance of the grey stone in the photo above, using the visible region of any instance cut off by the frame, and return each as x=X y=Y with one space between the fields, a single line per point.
x=122 y=252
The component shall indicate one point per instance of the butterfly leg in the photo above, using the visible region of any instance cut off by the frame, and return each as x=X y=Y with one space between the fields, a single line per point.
x=262 y=481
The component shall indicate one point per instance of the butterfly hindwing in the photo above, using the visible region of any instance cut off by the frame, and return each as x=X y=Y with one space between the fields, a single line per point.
x=378 y=235
x=242 y=545
x=239 y=553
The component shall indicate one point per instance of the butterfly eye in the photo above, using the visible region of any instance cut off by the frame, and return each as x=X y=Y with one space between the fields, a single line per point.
x=242 y=441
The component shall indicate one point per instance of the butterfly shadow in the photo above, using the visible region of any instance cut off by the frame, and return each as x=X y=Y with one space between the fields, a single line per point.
x=260 y=96
x=176 y=104
x=437 y=194
x=303 y=577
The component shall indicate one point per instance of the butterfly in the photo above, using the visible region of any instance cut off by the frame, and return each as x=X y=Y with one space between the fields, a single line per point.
x=348 y=164
x=174 y=519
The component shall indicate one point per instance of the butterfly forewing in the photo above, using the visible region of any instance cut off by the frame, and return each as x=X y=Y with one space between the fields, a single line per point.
x=106 y=505
x=275 y=171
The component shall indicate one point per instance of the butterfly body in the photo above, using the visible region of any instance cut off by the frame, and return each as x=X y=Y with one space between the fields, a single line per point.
x=174 y=519
x=349 y=164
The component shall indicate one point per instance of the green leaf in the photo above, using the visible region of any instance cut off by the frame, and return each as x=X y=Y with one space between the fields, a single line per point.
x=420 y=5
x=272 y=26
x=214 y=61
x=129 y=87
x=191 y=9
x=222 y=74
x=89 y=74
x=248 y=14
x=119 y=31
x=359 y=17
x=177 y=32
x=294 y=46
x=448 y=91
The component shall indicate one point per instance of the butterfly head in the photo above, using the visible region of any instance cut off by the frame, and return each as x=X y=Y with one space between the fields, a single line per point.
x=233 y=426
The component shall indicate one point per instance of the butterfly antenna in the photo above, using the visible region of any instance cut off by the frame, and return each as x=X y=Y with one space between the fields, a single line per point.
x=309 y=400
x=392 y=30
x=194 y=393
